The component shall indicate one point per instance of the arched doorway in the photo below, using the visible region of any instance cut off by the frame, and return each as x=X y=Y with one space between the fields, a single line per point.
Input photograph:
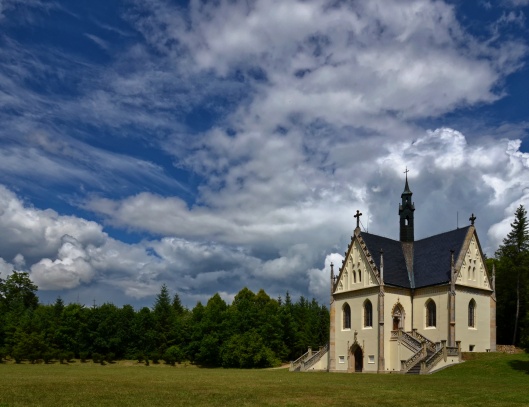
x=356 y=359
x=359 y=359
x=398 y=317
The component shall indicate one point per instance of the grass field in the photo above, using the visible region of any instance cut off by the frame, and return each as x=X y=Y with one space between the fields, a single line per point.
x=487 y=380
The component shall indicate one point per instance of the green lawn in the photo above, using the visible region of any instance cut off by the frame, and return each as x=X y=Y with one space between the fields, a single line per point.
x=488 y=380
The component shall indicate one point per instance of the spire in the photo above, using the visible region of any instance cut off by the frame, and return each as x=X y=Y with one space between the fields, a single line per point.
x=407 y=187
x=406 y=209
x=381 y=267
x=332 y=279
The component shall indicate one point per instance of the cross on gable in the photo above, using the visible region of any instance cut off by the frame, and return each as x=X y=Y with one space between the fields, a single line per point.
x=357 y=216
x=472 y=219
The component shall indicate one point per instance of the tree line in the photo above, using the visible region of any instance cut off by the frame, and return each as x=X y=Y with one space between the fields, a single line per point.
x=253 y=331
x=511 y=262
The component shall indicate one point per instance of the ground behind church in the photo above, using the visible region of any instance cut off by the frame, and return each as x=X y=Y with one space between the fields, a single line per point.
x=492 y=379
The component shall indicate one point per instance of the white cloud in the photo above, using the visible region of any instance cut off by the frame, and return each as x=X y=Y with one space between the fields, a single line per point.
x=320 y=280
x=315 y=114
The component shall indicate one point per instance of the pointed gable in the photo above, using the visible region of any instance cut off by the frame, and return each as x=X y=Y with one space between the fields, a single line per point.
x=471 y=265
x=358 y=269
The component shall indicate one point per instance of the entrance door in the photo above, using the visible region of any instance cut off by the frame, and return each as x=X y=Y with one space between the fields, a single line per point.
x=396 y=323
x=359 y=360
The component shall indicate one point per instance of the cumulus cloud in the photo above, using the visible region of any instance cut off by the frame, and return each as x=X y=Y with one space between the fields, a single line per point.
x=320 y=279
x=307 y=111
x=70 y=269
x=64 y=252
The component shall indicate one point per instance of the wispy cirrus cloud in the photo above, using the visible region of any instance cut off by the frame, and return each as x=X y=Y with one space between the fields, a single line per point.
x=243 y=136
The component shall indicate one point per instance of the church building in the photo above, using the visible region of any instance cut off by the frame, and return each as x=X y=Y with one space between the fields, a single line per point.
x=407 y=306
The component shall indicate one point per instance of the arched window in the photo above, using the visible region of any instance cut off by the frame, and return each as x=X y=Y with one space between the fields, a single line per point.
x=368 y=314
x=359 y=276
x=346 y=316
x=354 y=276
x=431 y=313
x=472 y=314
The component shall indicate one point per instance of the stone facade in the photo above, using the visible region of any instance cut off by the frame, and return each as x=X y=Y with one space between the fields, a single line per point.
x=409 y=306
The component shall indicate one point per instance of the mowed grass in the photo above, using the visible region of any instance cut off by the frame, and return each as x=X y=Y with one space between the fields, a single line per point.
x=487 y=380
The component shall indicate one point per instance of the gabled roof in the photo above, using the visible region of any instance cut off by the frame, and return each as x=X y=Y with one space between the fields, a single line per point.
x=431 y=258
x=395 y=272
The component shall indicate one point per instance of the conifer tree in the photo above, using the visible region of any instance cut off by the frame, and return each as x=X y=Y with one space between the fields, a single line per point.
x=513 y=273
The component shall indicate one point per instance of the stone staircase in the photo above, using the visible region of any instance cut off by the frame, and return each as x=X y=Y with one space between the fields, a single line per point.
x=426 y=354
x=308 y=359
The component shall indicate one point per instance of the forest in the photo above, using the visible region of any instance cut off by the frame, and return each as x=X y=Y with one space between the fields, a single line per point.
x=511 y=263
x=253 y=331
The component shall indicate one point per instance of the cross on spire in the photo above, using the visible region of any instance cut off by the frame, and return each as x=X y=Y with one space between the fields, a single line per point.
x=472 y=219
x=357 y=216
x=406 y=172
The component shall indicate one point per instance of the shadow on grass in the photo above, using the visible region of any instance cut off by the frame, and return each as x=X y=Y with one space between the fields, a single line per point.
x=522 y=365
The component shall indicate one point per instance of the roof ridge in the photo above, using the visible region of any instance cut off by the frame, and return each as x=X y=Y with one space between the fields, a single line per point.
x=444 y=233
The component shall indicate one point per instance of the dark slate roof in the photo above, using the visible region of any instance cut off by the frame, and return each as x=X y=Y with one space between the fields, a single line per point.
x=395 y=272
x=431 y=258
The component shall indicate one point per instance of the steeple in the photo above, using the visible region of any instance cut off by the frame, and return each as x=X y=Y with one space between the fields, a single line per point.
x=406 y=209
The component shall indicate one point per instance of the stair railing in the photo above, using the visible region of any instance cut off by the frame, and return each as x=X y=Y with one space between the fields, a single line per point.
x=412 y=343
x=308 y=359
x=297 y=363
x=417 y=357
x=316 y=356
x=421 y=338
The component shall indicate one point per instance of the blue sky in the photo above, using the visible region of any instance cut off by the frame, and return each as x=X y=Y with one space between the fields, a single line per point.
x=212 y=145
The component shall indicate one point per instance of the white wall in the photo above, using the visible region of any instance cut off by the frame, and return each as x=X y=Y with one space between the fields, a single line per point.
x=367 y=337
x=479 y=336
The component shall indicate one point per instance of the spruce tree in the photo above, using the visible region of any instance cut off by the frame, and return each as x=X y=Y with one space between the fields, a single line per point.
x=513 y=255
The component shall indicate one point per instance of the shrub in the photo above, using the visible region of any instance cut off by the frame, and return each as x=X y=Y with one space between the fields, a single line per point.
x=172 y=355
x=247 y=351
x=96 y=357
x=83 y=356
x=48 y=357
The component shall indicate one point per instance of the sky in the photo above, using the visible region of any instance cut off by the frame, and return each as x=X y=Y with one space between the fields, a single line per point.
x=215 y=145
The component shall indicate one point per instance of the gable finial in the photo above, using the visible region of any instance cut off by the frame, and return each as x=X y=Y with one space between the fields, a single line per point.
x=357 y=216
x=472 y=219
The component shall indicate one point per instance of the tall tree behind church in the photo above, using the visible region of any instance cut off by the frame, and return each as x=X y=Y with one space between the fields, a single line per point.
x=513 y=275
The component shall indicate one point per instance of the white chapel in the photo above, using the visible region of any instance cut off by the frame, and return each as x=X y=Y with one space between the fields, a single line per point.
x=407 y=306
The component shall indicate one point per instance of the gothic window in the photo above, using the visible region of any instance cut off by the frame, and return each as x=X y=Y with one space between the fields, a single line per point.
x=354 y=276
x=368 y=314
x=472 y=314
x=359 y=276
x=473 y=273
x=431 y=314
x=346 y=316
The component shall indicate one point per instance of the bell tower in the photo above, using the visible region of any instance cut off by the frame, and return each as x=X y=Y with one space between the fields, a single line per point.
x=406 y=209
